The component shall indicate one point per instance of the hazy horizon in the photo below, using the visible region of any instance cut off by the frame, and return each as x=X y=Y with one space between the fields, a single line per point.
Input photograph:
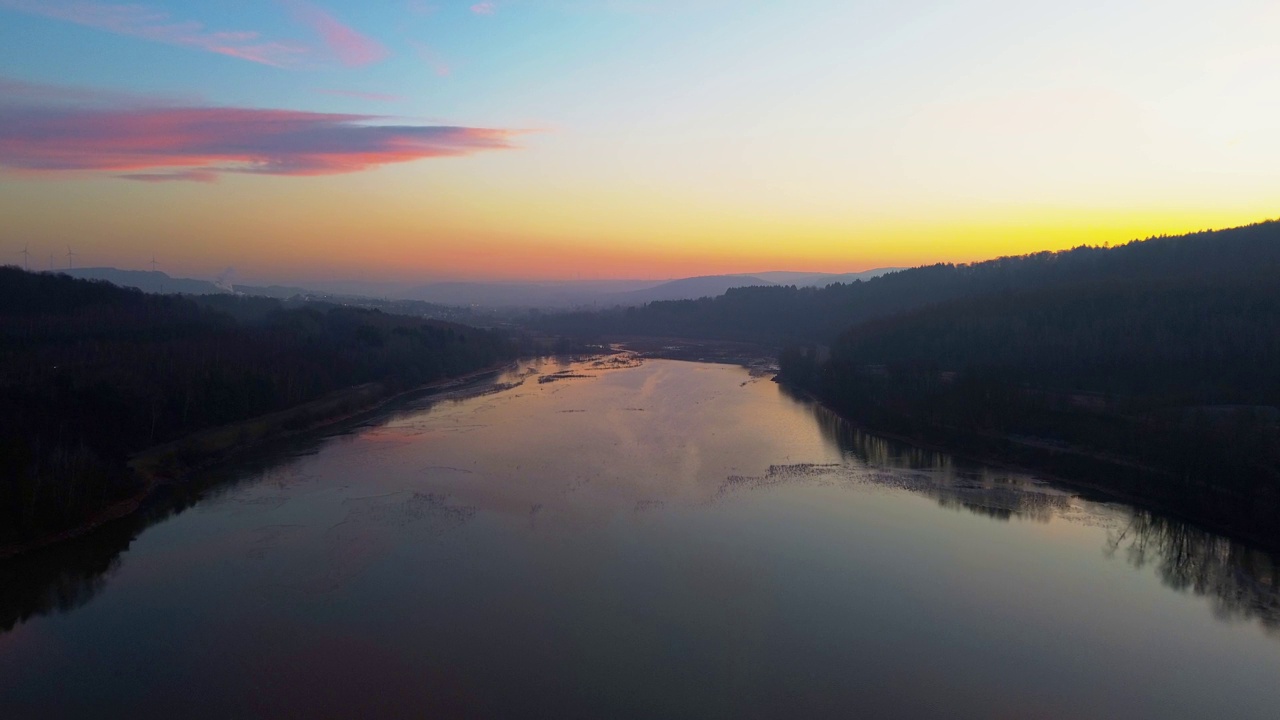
x=235 y=276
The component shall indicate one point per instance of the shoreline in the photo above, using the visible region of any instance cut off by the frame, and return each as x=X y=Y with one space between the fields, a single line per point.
x=1109 y=492
x=171 y=463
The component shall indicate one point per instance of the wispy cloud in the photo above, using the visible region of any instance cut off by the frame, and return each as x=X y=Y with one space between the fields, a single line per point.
x=160 y=143
x=348 y=45
x=158 y=26
x=172 y=175
x=484 y=8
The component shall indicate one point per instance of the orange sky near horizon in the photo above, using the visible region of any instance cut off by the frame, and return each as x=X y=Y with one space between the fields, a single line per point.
x=269 y=238
x=563 y=141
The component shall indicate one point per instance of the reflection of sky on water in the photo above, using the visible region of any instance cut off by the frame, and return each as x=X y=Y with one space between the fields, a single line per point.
x=667 y=539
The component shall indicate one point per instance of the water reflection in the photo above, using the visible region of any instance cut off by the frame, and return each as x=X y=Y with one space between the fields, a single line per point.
x=58 y=581
x=994 y=493
x=69 y=575
x=1243 y=583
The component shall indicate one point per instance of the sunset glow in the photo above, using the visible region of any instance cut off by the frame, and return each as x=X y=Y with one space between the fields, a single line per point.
x=298 y=139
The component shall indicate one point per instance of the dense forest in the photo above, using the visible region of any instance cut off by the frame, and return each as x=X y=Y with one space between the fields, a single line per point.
x=785 y=315
x=1161 y=381
x=91 y=373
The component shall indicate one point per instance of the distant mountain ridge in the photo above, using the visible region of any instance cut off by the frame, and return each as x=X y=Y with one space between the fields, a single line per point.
x=149 y=281
x=689 y=289
x=803 y=279
x=158 y=282
x=546 y=295
x=519 y=294
x=611 y=293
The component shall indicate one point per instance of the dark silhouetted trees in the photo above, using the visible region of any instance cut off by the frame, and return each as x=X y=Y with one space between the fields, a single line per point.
x=1162 y=381
x=90 y=373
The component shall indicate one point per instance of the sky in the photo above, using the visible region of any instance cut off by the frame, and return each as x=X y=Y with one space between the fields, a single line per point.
x=407 y=140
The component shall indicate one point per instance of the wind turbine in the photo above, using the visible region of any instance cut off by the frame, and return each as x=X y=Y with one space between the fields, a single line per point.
x=26 y=257
x=71 y=258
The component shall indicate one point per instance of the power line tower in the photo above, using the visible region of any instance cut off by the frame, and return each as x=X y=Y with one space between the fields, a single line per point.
x=153 y=262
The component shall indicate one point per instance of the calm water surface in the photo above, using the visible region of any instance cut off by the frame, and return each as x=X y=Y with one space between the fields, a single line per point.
x=665 y=539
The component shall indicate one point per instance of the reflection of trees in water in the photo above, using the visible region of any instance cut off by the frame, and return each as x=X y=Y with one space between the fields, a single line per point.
x=66 y=576
x=996 y=499
x=977 y=489
x=880 y=452
x=59 y=579
x=1242 y=582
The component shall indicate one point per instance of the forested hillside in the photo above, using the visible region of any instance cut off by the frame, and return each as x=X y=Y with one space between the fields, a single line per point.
x=1156 y=372
x=787 y=315
x=91 y=373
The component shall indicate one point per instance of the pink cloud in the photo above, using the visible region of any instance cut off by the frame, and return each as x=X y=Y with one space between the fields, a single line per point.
x=351 y=48
x=159 y=26
x=199 y=143
x=484 y=8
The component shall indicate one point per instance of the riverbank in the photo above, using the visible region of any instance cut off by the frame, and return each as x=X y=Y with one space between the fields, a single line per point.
x=1097 y=475
x=171 y=462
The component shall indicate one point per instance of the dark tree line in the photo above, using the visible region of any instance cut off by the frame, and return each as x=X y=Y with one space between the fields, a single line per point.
x=91 y=373
x=786 y=315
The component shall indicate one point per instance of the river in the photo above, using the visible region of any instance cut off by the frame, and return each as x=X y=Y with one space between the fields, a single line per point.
x=614 y=538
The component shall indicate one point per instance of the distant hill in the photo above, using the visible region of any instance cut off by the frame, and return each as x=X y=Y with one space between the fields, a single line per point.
x=150 y=281
x=784 y=277
x=520 y=294
x=160 y=283
x=825 y=279
x=803 y=279
x=603 y=294
x=550 y=295
x=688 y=289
